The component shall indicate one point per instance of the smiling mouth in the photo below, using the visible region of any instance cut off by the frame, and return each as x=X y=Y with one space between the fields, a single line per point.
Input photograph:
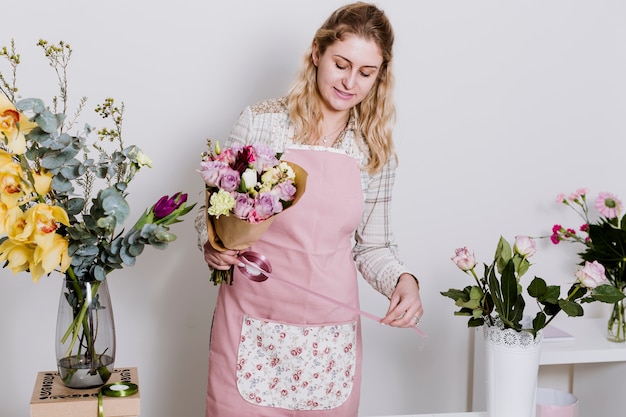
x=343 y=94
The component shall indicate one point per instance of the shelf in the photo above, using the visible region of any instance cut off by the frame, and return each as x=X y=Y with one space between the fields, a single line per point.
x=590 y=344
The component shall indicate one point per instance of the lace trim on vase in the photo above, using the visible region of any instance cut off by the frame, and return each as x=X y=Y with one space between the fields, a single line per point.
x=498 y=335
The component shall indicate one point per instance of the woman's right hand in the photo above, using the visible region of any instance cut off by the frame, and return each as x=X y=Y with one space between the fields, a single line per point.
x=220 y=260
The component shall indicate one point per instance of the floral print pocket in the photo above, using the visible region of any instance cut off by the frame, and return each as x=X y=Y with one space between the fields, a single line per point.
x=296 y=367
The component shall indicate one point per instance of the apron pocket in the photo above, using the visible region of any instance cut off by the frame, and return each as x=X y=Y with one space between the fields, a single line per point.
x=296 y=367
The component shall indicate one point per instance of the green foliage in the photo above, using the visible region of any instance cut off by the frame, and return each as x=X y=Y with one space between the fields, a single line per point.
x=502 y=296
x=97 y=242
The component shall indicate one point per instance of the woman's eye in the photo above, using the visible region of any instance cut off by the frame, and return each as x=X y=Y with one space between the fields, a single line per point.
x=340 y=67
x=365 y=74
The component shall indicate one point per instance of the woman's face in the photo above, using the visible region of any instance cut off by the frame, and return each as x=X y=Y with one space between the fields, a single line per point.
x=346 y=72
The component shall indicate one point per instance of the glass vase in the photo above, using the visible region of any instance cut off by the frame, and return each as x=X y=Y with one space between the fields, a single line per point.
x=85 y=334
x=617 y=323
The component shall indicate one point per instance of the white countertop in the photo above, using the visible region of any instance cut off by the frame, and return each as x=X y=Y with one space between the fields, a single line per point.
x=474 y=414
x=590 y=344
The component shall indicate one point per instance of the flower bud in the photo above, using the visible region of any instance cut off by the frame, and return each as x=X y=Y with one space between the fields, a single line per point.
x=464 y=259
x=524 y=246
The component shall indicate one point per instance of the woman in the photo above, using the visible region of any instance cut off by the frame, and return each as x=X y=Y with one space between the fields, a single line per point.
x=278 y=351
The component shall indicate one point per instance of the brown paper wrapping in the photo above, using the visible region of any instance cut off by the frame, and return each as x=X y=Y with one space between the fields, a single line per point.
x=230 y=232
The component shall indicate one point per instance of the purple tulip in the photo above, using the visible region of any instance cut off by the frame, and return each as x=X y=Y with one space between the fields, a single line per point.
x=167 y=205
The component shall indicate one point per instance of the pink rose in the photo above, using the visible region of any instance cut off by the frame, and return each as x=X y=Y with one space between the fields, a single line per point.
x=285 y=190
x=265 y=157
x=228 y=156
x=266 y=205
x=243 y=205
x=524 y=246
x=211 y=172
x=230 y=180
x=464 y=259
x=591 y=275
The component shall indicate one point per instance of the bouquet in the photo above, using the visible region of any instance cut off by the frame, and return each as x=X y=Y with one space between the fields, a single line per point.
x=603 y=240
x=491 y=297
x=246 y=186
x=46 y=224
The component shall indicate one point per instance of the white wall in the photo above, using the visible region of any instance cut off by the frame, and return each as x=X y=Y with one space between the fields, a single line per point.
x=501 y=105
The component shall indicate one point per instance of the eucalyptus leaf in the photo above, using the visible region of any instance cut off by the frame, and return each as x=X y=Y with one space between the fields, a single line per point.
x=47 y=121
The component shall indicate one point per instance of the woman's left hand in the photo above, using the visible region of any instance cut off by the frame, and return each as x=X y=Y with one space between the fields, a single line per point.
x=405 y=307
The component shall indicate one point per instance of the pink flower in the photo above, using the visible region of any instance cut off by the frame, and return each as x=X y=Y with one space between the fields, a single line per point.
x=578 y=194
x=243 y=205
x=228 y=156
x=608 y=205
x=524 y=246
x=265 y=157
x=230 y=180
x=211 y=172
x=591 y=275
x=266 y=204
x=464 y=259
x=560 y=198
x=285 y=190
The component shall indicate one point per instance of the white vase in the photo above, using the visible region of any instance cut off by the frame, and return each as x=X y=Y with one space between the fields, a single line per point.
x=512 y=365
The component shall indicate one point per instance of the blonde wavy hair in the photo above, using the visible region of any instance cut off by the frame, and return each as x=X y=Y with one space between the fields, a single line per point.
x=375 y=115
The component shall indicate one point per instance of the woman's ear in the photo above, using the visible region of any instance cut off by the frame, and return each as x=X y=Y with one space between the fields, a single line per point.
x=315 y=53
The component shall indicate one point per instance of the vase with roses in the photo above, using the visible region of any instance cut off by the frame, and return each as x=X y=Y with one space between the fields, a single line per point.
x=48 y=226
x=603 y=239
x=495 y=301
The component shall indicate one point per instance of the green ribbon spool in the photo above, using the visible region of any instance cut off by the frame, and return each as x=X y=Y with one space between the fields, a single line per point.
x=115 y=389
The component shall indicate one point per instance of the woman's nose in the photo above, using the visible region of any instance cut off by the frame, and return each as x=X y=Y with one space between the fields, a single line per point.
x=349 y=80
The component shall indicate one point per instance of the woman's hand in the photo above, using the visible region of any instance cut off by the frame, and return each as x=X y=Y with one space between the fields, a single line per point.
x=405 y=306
x=220 y=260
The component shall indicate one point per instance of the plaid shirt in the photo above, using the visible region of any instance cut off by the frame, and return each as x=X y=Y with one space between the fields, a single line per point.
x=375 y=251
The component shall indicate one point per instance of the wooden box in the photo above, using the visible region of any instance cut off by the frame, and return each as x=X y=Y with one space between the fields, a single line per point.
x=53 y=399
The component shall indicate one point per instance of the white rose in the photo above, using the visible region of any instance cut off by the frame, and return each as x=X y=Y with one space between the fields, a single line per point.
x=524 y=246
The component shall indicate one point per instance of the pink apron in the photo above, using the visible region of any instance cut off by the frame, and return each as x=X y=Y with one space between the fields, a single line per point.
x=277 y=350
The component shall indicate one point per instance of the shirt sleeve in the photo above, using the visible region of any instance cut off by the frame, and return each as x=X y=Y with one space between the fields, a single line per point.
x=375 y=251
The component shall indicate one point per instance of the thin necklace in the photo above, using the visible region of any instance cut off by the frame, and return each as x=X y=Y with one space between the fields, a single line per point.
x=326 y=137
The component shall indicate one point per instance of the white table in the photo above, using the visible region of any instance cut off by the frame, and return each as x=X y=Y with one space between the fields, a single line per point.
x=558 y=358
x=476 y=414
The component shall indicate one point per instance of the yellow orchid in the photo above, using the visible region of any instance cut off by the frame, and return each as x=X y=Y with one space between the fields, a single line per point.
x=5 y=158
x=16 y=255
x=32 y=243
x=17 y=228
x=43 y=182
x=13 y=126
x=46 y=260
x=12 y=186
x=45 y=221
x=4 y=209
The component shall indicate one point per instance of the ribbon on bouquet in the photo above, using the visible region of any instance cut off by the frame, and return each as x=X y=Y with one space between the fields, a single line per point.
x=258 y=269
